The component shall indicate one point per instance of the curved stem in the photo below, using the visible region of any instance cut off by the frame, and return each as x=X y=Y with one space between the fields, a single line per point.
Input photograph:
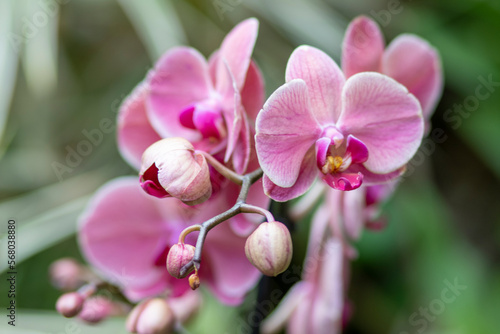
x=248 y=208
x=226 y=172
x=247 y=180
x=188 y=230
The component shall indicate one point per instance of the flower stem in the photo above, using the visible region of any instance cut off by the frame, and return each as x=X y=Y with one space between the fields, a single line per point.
x=239 y=207
x=226 y=172
x=188 y=230
x=248 y=208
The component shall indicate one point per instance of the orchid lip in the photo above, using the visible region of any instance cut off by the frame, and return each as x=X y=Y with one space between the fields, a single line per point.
x=334 y=162
x=206 y=117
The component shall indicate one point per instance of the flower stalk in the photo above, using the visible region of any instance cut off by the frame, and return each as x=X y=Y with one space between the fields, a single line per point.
x=239 y=207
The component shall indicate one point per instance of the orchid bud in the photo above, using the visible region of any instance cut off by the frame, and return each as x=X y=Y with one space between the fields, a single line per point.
x=70 y=304
x=171 y=167
x=194 y=281
x=96 y=309
x=269 y=248
x=65 y=274
x=153 y=316
x=179 y=255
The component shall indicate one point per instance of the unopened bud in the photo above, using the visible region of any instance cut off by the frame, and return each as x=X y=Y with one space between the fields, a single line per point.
x=70 y=304
x=194 y=281
x=96 y=309
x=179 y=255
x=171 y=167
x=65 y=274
x=269 y=248
x=153 y=316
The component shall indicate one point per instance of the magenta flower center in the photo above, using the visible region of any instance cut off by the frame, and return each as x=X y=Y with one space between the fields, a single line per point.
x=205 y=117
x=335 y=156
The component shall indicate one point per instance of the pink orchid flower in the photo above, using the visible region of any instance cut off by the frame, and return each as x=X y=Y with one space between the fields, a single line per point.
x=126 y=235
x=408 y=59
x=208 y=103
x=364 y=128
x=316 y=303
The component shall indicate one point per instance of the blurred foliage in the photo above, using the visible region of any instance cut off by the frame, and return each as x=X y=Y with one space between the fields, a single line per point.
x=443 y=221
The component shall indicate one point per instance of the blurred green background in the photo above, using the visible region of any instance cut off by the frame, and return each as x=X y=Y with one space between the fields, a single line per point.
x=62 y=75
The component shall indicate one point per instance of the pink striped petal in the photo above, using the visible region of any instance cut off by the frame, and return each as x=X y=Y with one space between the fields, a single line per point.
x=322 y=149
x=120 y=233
x=354 y=203
x=326 y=311
x=300 y=321
x=237 y=49
x=233 y=112
x=363 y=47
x=307 y=174
x=296 y=296
x=413 y=62
x=286 y=130
x=135 y=132
x=179 y=79
x=385 y=117
x=253 y=92
x=323 y=78
x=370 y=178
x=243 y=147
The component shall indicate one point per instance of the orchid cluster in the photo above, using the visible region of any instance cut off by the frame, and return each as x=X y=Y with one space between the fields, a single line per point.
x=211 y=154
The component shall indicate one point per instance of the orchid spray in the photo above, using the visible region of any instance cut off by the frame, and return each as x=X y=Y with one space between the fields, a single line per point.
x=211 y=154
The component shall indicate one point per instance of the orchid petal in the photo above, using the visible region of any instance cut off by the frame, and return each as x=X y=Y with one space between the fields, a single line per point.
x=307 y=174
x=323 y=78
x=357 y=150
x=179 y=79
x=385 y=117
x=120 y=233
x=354 y=212
x=363 y=47
x=243 y=147
x=286 y=130
x=370 y=178
x=237 y=49
x=326 y=310
x=300 y=321
x=322 y=149
x=234 y=115
x=253 y=92
x=285 y=310
x=185 y=305
x=135 y=132
x=414 y=63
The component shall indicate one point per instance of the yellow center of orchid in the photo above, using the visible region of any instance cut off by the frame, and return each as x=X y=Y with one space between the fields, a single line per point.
x=332 y=164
